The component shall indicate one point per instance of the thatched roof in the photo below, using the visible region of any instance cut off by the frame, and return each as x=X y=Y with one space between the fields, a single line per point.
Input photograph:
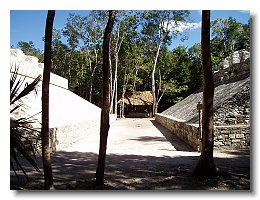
x=138 y=98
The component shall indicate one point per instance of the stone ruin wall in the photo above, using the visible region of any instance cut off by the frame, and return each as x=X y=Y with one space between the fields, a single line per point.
x=235 y=65
x=232 y=122
x=189 y=133
x=29 y=67
x=236 y=110
x=62 y=135
x=232 y=119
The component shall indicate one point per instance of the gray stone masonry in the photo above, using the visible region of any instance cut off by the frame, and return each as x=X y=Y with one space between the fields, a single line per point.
x=232 y=137
x=225 y=137
x=189 y=133
x=69 y=135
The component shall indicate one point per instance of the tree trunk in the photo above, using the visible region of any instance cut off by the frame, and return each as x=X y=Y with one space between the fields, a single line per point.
x=114 y=88
x=206 y=164
x=110 y=72
x=115 y=109
x=91 y=88
x=92 y=72
x=46 y=150
x=155 y=106
x=122 y=104
x=104 y=127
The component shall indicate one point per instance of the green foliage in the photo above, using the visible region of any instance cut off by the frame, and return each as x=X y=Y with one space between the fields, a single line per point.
x=178 y=71
x=228 y=36
x=21 y=131
x=29 y=49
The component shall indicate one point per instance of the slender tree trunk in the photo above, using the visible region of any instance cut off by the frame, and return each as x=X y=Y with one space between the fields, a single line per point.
x=110 y=73
x=115 y=109
x=159 y=97
x=162 y=34
x=46 y=150
x=104 y=127
x=206 y=164
x=155 y=106
x=91 y=88
x=91 y=83
x=91 y=77
x=122 y=104
x=114 y=88
x=136 y=73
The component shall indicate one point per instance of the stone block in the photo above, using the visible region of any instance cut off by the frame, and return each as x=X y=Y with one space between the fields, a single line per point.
x=218 y=143
x=232 y=136
x=220 y=137
x=240 y=136
x=227 y=143
x=235 y=141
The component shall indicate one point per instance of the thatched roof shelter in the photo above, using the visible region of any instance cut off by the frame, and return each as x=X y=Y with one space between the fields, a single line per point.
x=138 y=98
x=137 y=104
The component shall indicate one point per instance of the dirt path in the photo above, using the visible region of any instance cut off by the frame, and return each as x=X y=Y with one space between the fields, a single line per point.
x=141 y=154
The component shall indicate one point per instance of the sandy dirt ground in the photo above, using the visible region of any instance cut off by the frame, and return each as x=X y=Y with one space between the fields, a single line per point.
x=141 y=155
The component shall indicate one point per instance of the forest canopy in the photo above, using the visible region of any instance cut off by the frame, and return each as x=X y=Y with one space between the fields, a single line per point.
x=141 y=51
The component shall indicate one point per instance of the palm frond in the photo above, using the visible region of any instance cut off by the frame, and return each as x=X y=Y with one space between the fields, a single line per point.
x=15 y=108
x=15 y=87
x=28 y=88
x=21 y=131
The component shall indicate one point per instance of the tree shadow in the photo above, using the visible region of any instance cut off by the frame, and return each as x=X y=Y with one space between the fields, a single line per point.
x=177 y=143
x=149 y=139
x=76 y=171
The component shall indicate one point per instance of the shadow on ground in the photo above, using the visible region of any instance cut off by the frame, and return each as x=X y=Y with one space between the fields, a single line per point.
x=76 y=171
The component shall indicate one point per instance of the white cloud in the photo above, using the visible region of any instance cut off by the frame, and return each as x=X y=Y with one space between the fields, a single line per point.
x=245 y=11
x=184 y=26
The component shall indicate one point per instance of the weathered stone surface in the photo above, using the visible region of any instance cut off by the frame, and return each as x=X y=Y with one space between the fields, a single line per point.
x=231 y=107
x=29 y=67
x=189 y=133
x=225 y=137
x=235 y=58
x=233 y=94
x=232 y=136
x=236 y=110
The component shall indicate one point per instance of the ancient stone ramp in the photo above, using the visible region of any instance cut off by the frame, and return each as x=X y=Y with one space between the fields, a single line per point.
x=186 y=110
x=71 y=117
x=68 y=108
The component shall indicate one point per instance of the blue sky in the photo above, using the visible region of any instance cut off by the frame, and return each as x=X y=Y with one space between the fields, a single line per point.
x=29 y=25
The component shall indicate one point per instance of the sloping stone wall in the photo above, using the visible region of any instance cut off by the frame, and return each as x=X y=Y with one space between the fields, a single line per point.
x=72 y=118
x=235 y=110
